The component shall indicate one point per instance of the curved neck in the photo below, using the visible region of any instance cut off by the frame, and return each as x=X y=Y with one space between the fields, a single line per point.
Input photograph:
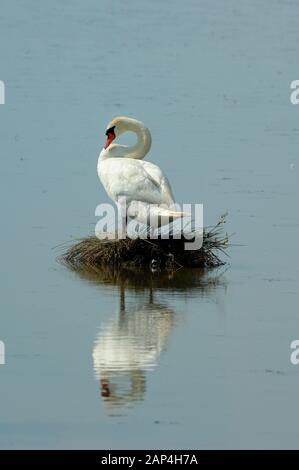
x=136 y=151
x=144 y=140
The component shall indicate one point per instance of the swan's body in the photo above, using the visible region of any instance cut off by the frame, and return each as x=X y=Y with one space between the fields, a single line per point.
x=137 y=180
x=124 y=174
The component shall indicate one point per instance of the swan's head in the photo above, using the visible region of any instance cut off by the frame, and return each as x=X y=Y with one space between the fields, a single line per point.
x=118 y=126
x=115 y=128
x=110 y=136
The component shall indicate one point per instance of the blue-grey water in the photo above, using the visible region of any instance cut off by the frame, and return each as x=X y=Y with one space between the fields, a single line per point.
x=146 y=360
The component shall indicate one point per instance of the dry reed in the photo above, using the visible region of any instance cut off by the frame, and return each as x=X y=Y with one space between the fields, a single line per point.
x=170 y=254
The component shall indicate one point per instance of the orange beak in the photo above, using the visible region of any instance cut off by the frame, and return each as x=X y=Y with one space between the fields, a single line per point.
x=110 y=138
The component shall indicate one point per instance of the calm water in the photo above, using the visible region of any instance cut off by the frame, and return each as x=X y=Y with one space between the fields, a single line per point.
x=140 y=360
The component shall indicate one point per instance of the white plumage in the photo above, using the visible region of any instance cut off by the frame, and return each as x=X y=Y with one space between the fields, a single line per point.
x=124 y=174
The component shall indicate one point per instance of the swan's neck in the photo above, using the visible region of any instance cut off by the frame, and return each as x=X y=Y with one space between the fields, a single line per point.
x=144 y=140
x=138 y=150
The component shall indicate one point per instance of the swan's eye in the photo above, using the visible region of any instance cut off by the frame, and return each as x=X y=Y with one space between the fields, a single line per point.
x=110 y=131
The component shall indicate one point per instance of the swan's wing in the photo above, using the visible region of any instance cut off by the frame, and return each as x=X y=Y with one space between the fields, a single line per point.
x=155 y=173
x=136 y=180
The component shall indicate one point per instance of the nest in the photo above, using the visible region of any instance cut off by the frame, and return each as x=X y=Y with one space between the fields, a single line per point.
x=92 y=252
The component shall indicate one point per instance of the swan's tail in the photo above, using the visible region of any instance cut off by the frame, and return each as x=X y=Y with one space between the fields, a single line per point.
x=154 y=215
x=172 y=215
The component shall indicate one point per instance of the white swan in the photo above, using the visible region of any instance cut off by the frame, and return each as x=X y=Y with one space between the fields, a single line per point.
x=124 y=174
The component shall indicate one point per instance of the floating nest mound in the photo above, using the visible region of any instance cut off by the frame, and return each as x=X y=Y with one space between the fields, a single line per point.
x=161 y=253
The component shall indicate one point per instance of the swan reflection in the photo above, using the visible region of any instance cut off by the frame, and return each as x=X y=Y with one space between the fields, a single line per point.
x=129 y=345
x=131 y=342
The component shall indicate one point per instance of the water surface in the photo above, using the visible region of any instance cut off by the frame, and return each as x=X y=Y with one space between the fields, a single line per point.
x=128 y=360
